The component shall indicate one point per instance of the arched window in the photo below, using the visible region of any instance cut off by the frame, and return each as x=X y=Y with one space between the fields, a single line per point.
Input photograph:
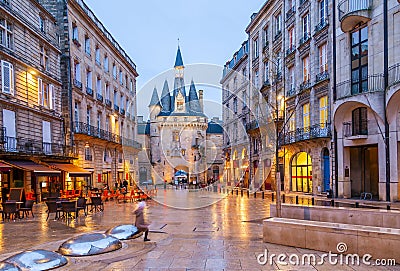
x=301 y=169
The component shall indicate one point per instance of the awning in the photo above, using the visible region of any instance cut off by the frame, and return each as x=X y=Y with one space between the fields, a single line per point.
x=4 y=167
x=37 y=169
x=74 y=171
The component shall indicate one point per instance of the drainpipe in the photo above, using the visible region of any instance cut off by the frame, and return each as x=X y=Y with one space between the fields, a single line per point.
x=386 y=84
x=334 y=181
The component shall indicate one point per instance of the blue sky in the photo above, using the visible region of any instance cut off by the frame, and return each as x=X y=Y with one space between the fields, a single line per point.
x=209 y=32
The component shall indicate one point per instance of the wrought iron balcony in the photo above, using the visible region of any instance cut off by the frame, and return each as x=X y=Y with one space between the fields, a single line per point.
x=290 y=12
x=353 y=12
x=321 y=25
x=394 y=74
x=99 y=97
x=322 y=76
x=302 y=2
x=350 y=130
x=78 y=84
x=301 y=134
x=278 y=35
x=116 y=107
x=31 y=146
x=291 y=92
x=290 y=50
x=306 y=37
x=253 y=125
x=128 y=114
x=108 y=103
x=98 y=62
x=89 y=91
x=375 y=83
x=305 y=85
x=122 y=111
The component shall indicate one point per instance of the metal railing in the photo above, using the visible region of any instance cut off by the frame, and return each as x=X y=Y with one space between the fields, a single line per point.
x=306 y=37
x=322 y=76
x=375 y=83
x=78 y=84
x=301 y=134
x=302 y=2
x=394 y=74
x=277 y=35
x=252 y=125
x=349 y=6
x=89 y=91
x=108 y=103
x=290 y=12
x=290 y=50
x=116 y=107
x=305 y=85
x=355 y=130
x=291 y=92
x=31 y=146
x=99 y=97
x=122 y=111
x=321 y=25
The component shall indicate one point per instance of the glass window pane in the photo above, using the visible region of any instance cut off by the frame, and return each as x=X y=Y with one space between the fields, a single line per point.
x=354 y=38
x=355 y=76
x=355 y=52
x=364 y=48
x=364 y=72
x=354 y=89
x=364 y=33
x=364 y=86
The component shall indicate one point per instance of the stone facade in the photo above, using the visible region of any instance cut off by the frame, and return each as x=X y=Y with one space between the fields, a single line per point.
x=99 y=95
x=235 y=116
x=366 y=107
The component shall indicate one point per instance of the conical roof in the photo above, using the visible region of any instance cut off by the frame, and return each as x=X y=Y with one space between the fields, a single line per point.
x=166 y=98
x=178 y=60
x=154 y=98
x=194 y=99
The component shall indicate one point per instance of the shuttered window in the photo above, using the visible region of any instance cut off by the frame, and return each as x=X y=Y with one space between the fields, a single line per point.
x=360 y=121
x=46 y=94
x=7 y=77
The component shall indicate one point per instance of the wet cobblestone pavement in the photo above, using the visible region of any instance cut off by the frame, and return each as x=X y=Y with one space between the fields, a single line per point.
x=224 y=234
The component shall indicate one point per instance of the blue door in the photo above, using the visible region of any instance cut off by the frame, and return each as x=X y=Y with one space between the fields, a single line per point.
x=326 y=172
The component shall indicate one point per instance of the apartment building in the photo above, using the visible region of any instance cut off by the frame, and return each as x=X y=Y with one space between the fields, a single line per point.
x=99 y=96
x=235 y=116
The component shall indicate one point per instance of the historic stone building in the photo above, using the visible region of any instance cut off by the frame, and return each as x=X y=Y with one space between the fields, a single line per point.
x=30 y=99
x=235 y=116
x=177 y=135
x=99 y=96
x=366 y=105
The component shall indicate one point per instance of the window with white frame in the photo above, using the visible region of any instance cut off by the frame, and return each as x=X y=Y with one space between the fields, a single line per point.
x=42 y=24
x=46 y=97
x=105 y=63
x=323 y=59
x=97 y=56
x=266 y=72
x=255 y=47
x=6 y=33
x=87 y=45
x=11 y=133
x=323 y=111
x=115 y=98
x=89 y=82
x=244 y=98
x=77 y=72
x=44 y=58
x=306 y=115
x=323 y=11
x=278 y=24
x=88 y=115
x=7 y=77
x=131 y=86
x=265 y=35
x=114 y=71
x=306 y=69
x=46 y=131
x=306 y=27
x=107 y=124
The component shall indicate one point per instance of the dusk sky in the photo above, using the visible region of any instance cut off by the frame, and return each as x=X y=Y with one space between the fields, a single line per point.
x=209 y=32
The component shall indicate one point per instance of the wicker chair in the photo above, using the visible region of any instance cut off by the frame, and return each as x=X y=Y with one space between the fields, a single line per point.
x=52 y=208
x=27 y=208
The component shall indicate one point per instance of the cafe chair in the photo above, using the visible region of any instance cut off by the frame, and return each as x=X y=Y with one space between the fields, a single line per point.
x=69 y=209
x=10 y=211
x=52 y=208
x=81 y=205
x=97 y=204
x=27 y=208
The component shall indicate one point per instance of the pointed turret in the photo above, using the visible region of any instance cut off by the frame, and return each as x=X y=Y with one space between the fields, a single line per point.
x=154 y=98
x=194 y=99
x=166 y=98
x=178 y=60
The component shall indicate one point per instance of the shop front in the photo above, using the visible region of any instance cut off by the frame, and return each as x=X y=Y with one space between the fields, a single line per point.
x=35 y=178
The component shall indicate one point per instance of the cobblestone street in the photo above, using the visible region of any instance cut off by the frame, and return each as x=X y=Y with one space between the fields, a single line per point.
x=224 y=234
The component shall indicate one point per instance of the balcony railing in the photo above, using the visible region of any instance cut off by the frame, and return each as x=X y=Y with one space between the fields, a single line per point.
x=99 y=97
x=86 y=129
x=252 y=125
x=355 y=130
x=290 y=12
x=306 y=37
x=30 y=146
x=305 y=85
x=394 y=74
x=375 y=83
x=291 y=92
x=347 y=7
x=290 y=50
x=122 y=111
x=301 y=134
x=116 y=107
x=108 y=103
x=89 y=91
x=302 y=2
x=278 y=35
x=321 y=25
x=322 y=76
x=78 y=84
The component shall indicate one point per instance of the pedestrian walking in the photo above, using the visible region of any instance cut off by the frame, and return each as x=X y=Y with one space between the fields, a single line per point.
x=140 y=222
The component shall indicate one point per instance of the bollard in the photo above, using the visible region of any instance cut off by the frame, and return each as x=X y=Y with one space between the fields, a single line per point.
x=241 y=192
x=262 y=194
x=248 y=193
x=232 y=191
x=388 y=207
x=255 y=194
x=297 y=199
x=283 y=198
x=272 y=195
x=357 y=204
x=237 y=192
x=312 y=201
x=332 y=203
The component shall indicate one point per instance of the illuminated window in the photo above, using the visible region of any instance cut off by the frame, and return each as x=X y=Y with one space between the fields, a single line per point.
x=306 y=115
x=323 y=111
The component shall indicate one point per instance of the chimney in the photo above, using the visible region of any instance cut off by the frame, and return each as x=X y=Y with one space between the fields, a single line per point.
x=201 y=99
